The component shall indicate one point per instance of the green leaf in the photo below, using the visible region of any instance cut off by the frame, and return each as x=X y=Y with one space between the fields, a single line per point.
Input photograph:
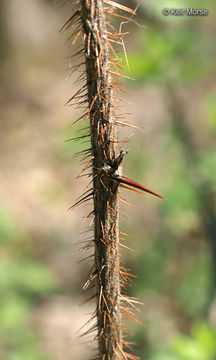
x=187 y=349
x=206 y=337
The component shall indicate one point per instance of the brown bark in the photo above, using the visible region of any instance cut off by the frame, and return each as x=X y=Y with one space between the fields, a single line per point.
x=104 y=152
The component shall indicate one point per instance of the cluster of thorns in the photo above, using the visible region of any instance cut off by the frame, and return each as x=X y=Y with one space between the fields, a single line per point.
x=106 y=174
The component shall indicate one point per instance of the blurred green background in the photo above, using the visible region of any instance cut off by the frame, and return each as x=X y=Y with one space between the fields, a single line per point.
x=173 y=62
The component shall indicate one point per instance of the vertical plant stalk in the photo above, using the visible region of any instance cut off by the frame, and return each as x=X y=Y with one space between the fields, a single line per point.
x=102 y=87
x=106 y=207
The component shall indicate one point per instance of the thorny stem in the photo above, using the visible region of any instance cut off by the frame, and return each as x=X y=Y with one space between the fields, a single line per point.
x=104 y=152
x=101 y=82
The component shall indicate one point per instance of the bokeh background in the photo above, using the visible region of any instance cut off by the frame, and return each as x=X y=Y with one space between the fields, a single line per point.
x=174 y=101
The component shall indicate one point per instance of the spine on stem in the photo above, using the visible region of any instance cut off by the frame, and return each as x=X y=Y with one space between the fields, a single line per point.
x=105 y=190
x=102 y=83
